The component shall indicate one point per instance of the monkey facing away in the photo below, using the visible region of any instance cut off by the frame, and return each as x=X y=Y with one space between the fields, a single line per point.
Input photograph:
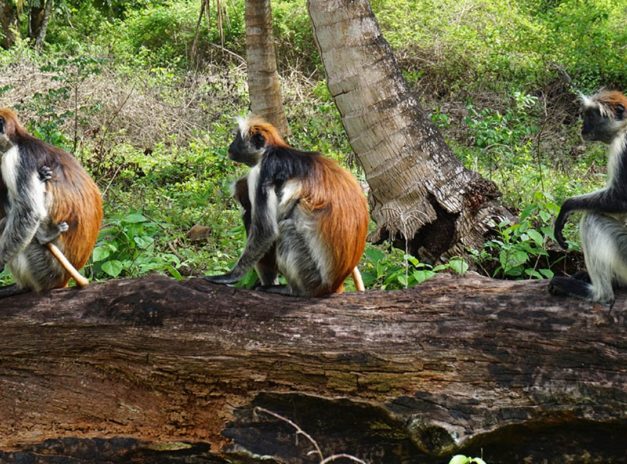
x=305 y=205
x=602 y=229
x=45 y=196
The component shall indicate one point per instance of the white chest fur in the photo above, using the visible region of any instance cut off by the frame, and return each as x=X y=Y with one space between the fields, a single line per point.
x=35 y=188
x=9 y=166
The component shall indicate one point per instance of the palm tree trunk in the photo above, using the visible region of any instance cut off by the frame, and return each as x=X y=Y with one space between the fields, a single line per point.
x=42 y=24
x=8 y=22
x=420 y=193
x=264 y=86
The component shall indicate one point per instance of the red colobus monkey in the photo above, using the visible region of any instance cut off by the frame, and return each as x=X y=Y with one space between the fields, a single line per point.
x=45 y=196
x=310 y=209
x=602 y=229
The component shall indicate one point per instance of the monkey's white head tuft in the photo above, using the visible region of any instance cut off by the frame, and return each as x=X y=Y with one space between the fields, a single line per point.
x=604 y=101
x=243 y=124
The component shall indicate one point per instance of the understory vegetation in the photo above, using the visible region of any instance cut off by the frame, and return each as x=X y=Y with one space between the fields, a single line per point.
x=147 y=102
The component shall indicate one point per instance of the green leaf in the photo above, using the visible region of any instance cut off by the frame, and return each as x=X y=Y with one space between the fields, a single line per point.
x=459 y=266
x=422 y=275
x=535 y=236
x=374 y=254
x=459 y=459
x=533 y=273
x=143 y=241
x=113 y=267
x=412 y=259
x=369 y=278
x=512 y=258
x=100 y=253
x=546 y=273
x=134 y=218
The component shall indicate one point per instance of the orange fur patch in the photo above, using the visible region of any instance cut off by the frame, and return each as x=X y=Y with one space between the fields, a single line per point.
x=77 y=201
x=613 y=97
x=258 y=125
x=610 y=98
x=335 y=197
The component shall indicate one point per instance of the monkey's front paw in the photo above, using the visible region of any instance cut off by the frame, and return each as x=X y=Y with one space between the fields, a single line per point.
x=224 y=279
x=45 y=173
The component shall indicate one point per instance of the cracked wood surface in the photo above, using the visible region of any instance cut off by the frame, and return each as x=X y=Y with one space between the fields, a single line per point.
x=457 y=364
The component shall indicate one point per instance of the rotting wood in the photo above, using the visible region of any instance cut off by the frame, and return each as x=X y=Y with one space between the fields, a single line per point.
x=455 y=365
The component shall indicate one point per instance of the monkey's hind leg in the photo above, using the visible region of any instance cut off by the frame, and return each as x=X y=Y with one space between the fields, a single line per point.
x=267 y=270
x=604 y=240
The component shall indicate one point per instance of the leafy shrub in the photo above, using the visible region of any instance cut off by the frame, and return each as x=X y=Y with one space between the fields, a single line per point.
x=392 y=269
x=520 y=249
x=502 y=44
x=163 y=34
x=127 y=247
x=587 y=38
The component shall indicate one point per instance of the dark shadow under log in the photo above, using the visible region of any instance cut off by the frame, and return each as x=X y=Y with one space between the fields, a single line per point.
x=154 y=370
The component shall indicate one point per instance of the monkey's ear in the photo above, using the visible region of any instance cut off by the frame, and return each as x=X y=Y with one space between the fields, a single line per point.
x=258 y=141
x=620 y=111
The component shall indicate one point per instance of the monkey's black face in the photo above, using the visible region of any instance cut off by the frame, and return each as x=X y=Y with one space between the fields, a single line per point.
x=246 y=150
x=5 y=143
x=597 y=127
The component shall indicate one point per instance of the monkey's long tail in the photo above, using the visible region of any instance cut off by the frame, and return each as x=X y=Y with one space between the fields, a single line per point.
x=69 y=267
x=359 y=283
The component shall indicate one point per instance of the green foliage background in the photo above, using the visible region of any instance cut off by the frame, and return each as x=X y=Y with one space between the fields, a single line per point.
x=118 y=84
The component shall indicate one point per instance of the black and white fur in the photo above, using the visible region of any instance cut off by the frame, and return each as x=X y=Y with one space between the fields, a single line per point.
x=26 y=226
x=602 y=228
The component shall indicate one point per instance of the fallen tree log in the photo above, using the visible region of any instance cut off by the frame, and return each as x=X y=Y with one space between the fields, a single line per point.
x=155 y=370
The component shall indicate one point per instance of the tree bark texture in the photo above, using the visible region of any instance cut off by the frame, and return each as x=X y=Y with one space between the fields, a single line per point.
x=465 y=365
x=264 y=86
x=40 y=21
x=418 y=188
x=8 y=22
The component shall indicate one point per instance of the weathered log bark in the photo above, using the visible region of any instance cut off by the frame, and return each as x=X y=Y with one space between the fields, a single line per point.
x=420 y=192
x=457 y=364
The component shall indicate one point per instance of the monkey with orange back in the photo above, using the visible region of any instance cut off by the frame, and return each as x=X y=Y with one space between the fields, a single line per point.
x=45 y=196
x=305 y=205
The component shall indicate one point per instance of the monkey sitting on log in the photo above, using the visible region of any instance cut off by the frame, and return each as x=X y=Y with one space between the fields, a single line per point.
x=602 y=228
x=50 y=208
x=305 y=205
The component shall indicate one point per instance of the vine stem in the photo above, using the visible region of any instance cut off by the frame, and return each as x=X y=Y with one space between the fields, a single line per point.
x=309 y=438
